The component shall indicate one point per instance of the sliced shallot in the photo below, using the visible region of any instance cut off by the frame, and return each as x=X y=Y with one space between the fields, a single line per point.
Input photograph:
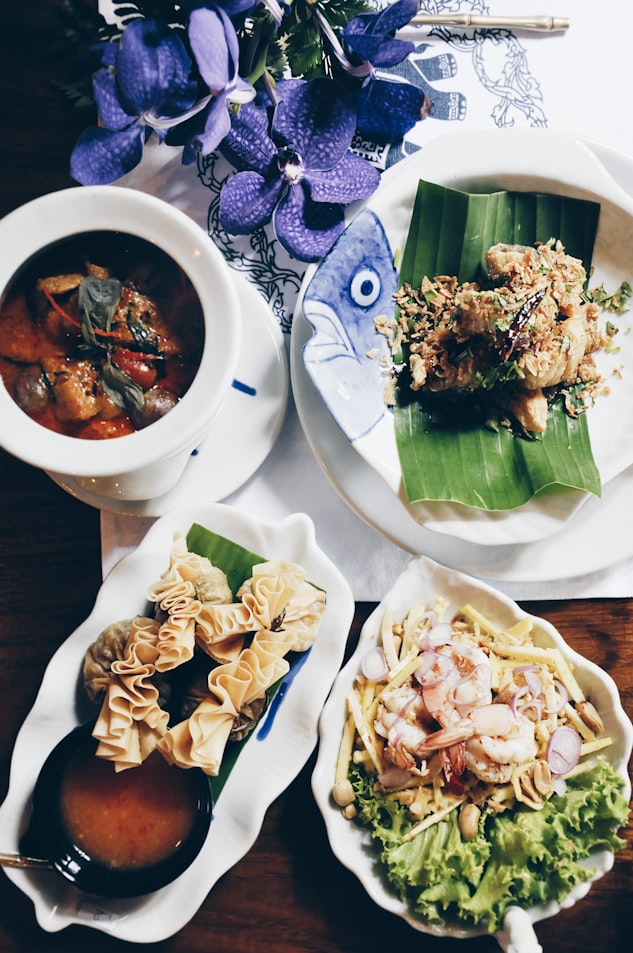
x=562 y=697
x=521 y=705
x=433 y=668
x=563 y=750
x=532 y=678
x=394 y=777
x=374 y=664
x=439 y=633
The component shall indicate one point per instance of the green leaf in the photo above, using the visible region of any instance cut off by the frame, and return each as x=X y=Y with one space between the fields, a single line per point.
x=234 y=560
x=98 y=301
x=449 y=234
x=121 y=389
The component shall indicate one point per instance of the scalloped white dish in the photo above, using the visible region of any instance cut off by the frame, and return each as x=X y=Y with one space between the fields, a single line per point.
x=270 y=760
x=423 y=580
x=341 y=296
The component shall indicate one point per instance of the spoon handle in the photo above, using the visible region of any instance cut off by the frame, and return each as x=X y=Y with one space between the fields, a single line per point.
x=18 y=860
x=538 y=23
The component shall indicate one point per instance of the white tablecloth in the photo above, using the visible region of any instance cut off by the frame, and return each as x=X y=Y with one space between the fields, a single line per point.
x=477 y=80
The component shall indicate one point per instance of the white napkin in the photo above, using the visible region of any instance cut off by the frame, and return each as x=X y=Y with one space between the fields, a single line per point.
x=478 y=80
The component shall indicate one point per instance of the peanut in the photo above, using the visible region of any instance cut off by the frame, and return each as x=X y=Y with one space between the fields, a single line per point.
x=343 y=793
x=469 y=821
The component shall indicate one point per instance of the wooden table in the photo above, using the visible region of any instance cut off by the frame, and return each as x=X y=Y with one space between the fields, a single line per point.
x=289 y=894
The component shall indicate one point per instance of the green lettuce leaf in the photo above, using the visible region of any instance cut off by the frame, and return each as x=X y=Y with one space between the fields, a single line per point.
x=521 y=857
x=449 y=233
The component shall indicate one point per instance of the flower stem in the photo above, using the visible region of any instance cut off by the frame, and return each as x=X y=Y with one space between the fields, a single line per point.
x=364 y=69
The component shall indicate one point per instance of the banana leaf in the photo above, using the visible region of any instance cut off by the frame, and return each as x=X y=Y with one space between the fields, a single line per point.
x=234 y=560
x=457 y=459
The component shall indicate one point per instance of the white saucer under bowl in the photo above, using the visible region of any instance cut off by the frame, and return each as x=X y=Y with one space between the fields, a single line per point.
x=245 y=429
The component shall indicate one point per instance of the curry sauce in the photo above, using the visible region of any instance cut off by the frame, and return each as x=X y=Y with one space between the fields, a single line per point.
x=100 y=335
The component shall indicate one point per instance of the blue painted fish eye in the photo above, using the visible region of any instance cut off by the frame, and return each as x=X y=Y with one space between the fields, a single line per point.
x=365 y=287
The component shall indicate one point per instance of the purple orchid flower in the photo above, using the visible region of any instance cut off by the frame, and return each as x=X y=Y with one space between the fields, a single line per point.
x=386 y=109
x=301 y=175
x=146 y=82
x=231 y=7
x=215 y=47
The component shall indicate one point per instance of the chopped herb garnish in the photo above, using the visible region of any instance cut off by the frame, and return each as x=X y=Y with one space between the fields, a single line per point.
x=616 y=301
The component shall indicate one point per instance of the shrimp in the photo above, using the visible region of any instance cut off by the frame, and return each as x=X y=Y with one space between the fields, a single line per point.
x=495 y=739
x=476 y=734
x=400 y=720
x=468 y=682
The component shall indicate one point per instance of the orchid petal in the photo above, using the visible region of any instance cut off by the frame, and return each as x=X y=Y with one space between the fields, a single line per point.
x=388 y=110
x=101 y=156
x=353 y=179
x=106 y=52
x=247 y=201
x=232 y=7
x=247 y=144
x=379 y=51
x=371 y=35
x=153 y=70
x=111 y=113
x=214 y=44
x=307 y=229
x=217 y=125
x=394 y=16
x=316 y=119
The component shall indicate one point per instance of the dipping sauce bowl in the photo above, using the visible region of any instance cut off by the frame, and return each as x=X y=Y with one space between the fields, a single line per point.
x=116 y=834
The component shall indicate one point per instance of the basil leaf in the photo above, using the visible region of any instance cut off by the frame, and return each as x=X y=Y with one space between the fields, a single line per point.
x=98 y=300
x=121 y=390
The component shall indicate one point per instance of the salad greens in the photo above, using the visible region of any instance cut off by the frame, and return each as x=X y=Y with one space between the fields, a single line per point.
x=519 y=857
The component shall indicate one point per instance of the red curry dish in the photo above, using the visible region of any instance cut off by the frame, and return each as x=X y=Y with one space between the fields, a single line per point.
x=100 y=335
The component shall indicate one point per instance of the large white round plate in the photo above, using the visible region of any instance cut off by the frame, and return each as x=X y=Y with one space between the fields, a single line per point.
x=268 y=763
x=421 y=582
x=245 y=429
x=524 y=160
x=606 y=522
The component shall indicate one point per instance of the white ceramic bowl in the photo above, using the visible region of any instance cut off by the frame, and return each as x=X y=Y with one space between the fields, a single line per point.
x=147 y=463
x=421 y=582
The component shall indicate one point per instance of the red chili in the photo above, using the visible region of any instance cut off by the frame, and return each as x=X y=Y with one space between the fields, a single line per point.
x=68 y=317
x=133 y=364
x=59 y=308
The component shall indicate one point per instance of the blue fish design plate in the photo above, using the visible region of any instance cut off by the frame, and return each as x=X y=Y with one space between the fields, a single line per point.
x=346 y=357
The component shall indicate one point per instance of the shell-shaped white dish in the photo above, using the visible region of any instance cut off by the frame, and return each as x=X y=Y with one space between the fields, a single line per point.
x=272 y=757
x=355 y=282
x=423 y=580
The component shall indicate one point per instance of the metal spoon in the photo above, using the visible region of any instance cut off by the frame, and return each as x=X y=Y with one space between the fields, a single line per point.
x=536 y=23
x=18 y=860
